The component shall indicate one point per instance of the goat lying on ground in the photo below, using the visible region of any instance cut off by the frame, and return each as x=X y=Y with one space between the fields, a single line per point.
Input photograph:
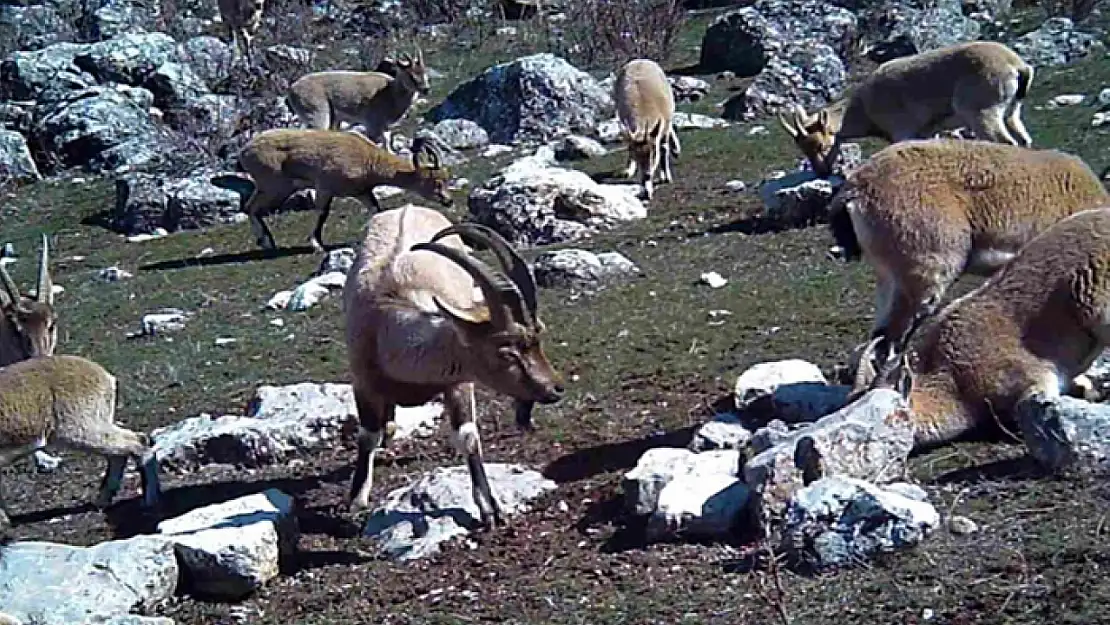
x=374 y=99
x=980 y=84
x=924 y=212
x=1031 y=328
x=415 y=330
x=281 y=161
x=645 y=106
x=70 y=402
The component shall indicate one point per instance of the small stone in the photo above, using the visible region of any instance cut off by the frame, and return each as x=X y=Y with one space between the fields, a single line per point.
x=961 y=525
x=1069 y=99
x=736 y=186
x=713 y=279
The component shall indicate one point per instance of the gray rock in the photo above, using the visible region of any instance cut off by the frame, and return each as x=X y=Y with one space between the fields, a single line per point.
x=209 y=57
x=761 y=380
x=340 y=260
x=688 y=88
x=26 y=75
x=744 y=41
x=1065 y=433
x=532 y=99
x=16 y=163
x=100 y=129
x=281 y=422
x=210 y=115
x=414 y=520
x=775 y=432
x=805 y=73
x=95 y=583
x=840 y=521
x=173 y=84
x=870 y=439
x=696 y=121
x=1056 y=42
x=800 y=199
x=128 y=59
x=146 y=202
x=111 y=19
x=658 y=466
x=706 y=506
x=462 y=134
x=34 y=27
x=231 y=549
x=575 y=267
x=576 y=147
x=531 y=202
x=897 y=29
x=725 y=431
x=961 y=525
x=15 y=117
x=791 y=390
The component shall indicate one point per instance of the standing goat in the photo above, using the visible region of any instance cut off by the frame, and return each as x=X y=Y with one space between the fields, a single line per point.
x=281 y=161
x=374 y=99
x=645 y=106
x=243 y=17
x=415 y=330
x=924 y=212
x=1031 y=328
x=27 y=326
x=980 y=84
x=70 y=402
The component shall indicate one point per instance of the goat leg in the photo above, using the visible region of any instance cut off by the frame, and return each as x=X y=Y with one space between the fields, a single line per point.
x=459 y=403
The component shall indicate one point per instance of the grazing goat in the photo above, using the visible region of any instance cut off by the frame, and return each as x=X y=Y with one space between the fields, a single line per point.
x=243 y=17
x=924 y=212
x=645 y=106
x=27 y=326
x=281 y=161
x=374 y=99
x=980 y=84
x=415 y=330
x=70 y=402
x=1031 y=328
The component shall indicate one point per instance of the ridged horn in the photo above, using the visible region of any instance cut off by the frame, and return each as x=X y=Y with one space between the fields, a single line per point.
x=10 y=295
x=512 y=263
x=493 y=287
x=45 y=292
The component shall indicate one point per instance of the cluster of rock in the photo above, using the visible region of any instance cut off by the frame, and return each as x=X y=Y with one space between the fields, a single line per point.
x=826 y=479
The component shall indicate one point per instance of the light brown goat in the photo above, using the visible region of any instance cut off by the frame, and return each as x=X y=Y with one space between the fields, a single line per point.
x=416 y=330
x=924 y=212
x=1029 y=329
x=281 y=161
x=374 y=99
x=69 y=401
x=645 y=107
x=28 y=326
x=243 y=17
x=980 y=84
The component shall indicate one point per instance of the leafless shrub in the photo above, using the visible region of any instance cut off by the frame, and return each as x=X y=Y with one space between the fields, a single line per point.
x=615 y=31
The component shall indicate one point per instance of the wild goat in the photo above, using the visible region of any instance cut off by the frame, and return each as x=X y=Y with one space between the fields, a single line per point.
x=415 y=330
x=281 y=161
x=645 y=106
x=1031 y=328
x=924 y=212
x=980 y=84
x=374 y=99
x=70 y=402
x=27 y=326
x=243 y=17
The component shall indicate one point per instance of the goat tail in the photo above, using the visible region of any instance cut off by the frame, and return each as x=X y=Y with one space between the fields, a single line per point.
x=1025 y=78
x=840 y=223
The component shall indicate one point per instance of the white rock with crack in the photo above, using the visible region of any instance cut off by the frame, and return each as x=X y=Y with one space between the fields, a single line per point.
x=232 y=548
x=658 y=466
x=699 y=505
x=414 y=520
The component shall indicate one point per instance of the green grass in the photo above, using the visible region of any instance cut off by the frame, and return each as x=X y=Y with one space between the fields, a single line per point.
x=644 y=359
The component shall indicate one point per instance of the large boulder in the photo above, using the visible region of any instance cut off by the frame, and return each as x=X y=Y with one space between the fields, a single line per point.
x=805 y=73
x=34 y=27
x=26 y=75
x=532 y=202
x=51 y=584
x=575 y=267
x=15 y=159
x=895 y=29
x=128 y=59
x=101 y=129
x=1066 y=433
x=414 y=520
x=744 y=41
x=532 y=99
x=1055 y=42
x=147 y=202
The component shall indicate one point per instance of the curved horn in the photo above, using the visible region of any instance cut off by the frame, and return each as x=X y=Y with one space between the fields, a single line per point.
x=45 y=292
x=490 y=284
x=512 y=263
x=866 y=371
x=435 y=155
x=788 y=125
x=11 y=291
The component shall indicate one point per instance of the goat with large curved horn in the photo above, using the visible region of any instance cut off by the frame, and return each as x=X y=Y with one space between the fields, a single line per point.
x=514 y=266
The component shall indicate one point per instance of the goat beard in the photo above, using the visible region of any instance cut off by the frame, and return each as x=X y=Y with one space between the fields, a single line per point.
x=524 y=415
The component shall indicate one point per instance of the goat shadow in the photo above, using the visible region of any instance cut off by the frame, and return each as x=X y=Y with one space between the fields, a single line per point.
x=236 y=257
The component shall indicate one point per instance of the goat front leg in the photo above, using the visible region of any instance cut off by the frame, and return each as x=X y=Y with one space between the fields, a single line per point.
x=375 y=417
x=323 y=208
x=459 y=404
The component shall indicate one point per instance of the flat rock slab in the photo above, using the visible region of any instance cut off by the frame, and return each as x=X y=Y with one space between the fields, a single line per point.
x=281 y=421
x=414 y=520
x=840 y=521
x=870 y=439
x=725 y=431
x=658 y=466
x=232 y=548
x=699 y=505
x=53 y=584
x=1066 y=433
